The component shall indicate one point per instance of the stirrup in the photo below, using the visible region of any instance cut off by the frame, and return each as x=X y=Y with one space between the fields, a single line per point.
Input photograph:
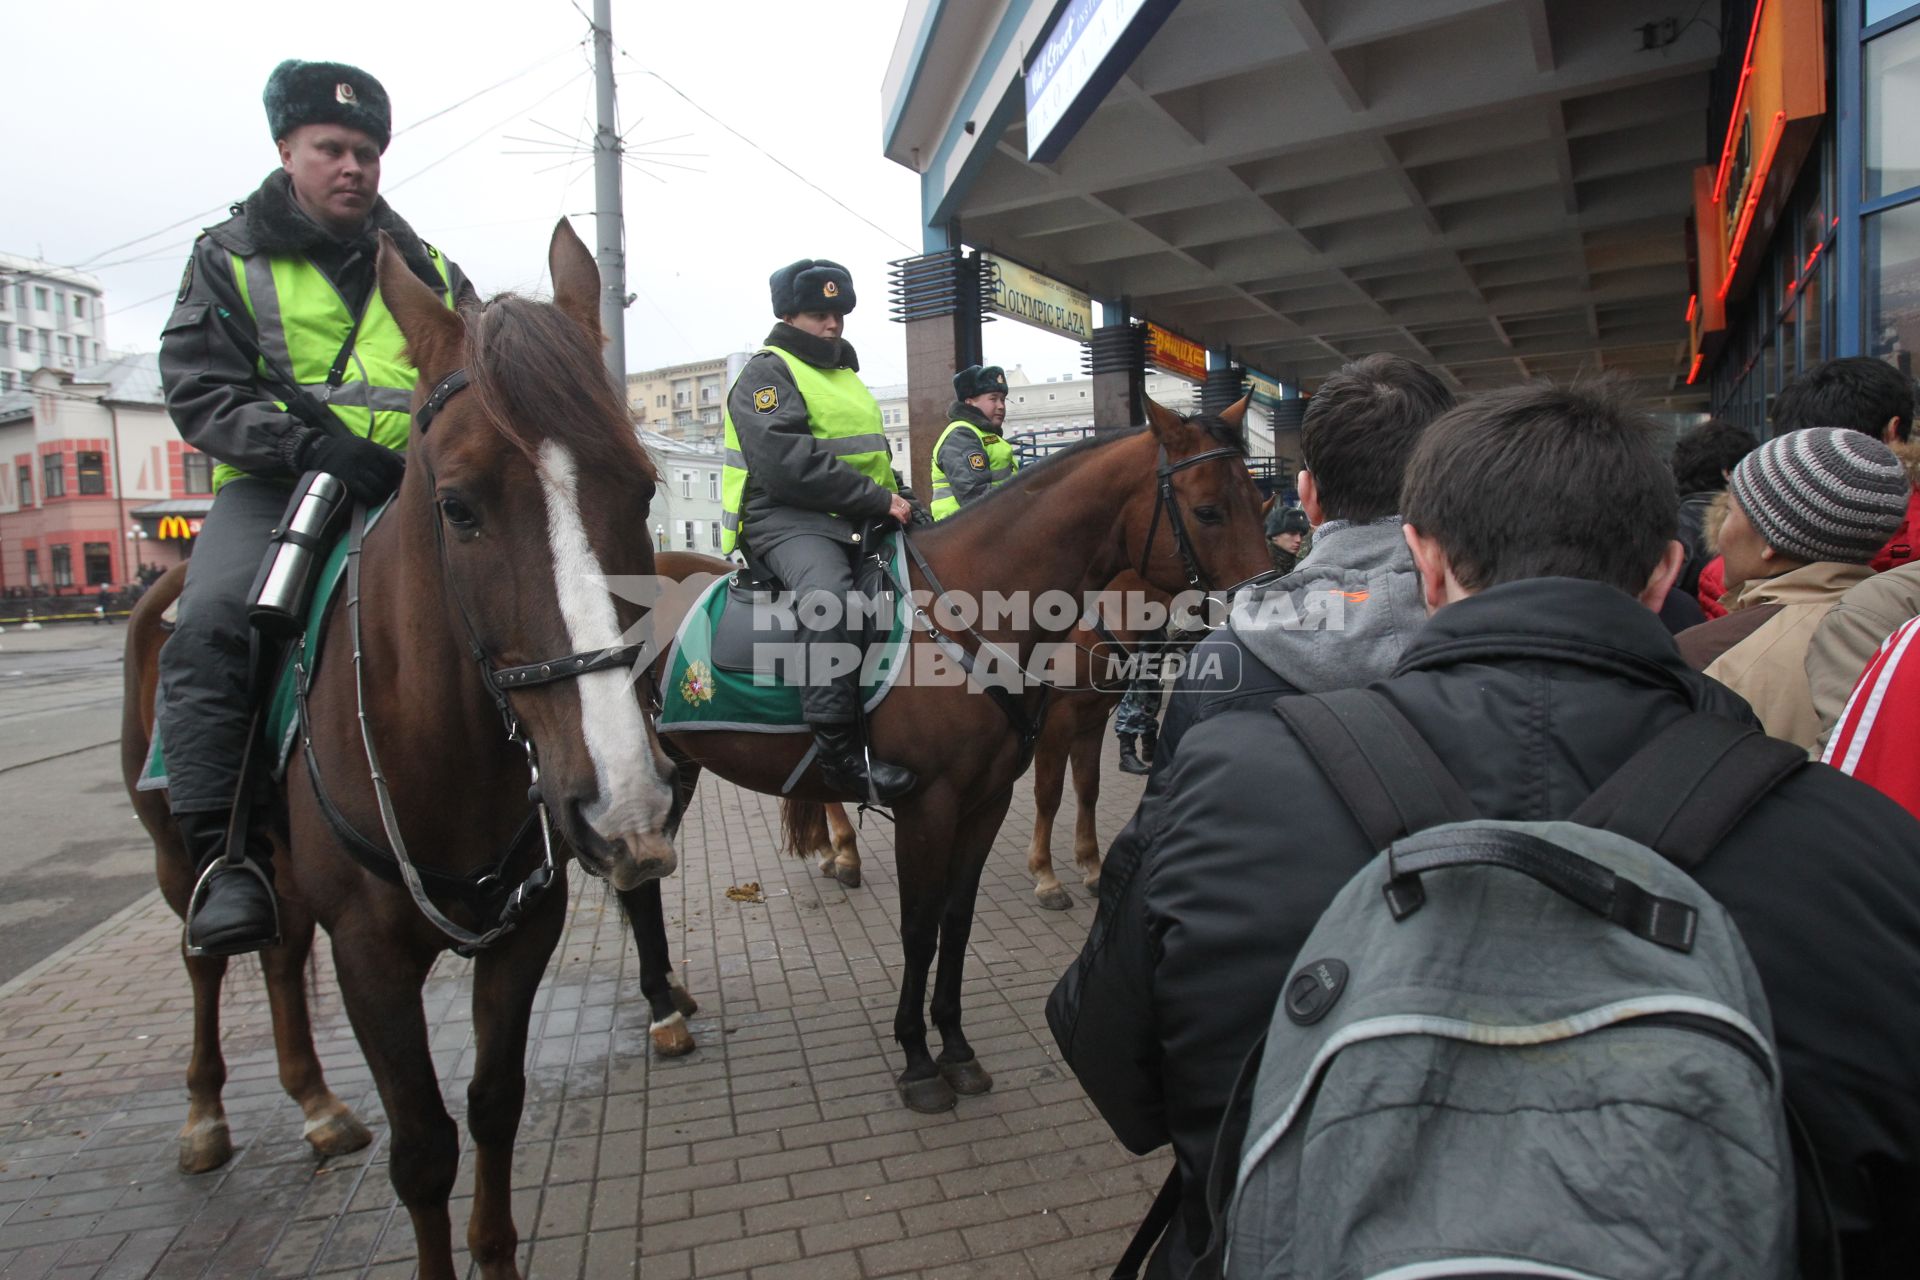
x=199 y=894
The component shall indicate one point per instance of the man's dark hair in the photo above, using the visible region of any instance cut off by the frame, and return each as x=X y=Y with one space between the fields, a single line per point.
x=1856 y=392
x=1359 y=430
x=1706 y=453
x=1545 y=481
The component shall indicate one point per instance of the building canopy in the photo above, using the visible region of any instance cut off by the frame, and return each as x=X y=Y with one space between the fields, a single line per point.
x=1496 y=188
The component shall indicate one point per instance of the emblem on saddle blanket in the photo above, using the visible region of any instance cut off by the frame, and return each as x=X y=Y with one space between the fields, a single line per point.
x=696 y=686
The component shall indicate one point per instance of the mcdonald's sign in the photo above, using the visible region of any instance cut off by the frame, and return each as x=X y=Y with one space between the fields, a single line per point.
x=177 y=528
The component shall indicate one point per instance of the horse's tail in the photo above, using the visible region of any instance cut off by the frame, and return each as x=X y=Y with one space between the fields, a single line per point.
x=803 y=824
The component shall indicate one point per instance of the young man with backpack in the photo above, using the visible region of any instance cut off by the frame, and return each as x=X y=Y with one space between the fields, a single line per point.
x=1543 y=671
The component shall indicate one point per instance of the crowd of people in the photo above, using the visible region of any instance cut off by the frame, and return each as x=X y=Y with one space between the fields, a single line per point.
x=1525 y=585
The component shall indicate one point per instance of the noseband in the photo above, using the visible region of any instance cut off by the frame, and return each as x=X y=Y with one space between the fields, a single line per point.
x=1169 y=505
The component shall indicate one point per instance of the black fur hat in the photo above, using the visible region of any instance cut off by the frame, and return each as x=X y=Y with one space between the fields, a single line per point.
x=327 y=93
x=811 y=284
x=975 y=380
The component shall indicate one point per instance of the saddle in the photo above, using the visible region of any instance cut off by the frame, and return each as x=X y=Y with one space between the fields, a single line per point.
x=759 y=620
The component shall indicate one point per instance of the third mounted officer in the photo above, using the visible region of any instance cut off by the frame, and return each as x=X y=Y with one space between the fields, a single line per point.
x=971 y=458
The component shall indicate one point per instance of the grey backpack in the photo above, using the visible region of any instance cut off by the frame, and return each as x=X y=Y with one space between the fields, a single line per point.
x=1517 y=1048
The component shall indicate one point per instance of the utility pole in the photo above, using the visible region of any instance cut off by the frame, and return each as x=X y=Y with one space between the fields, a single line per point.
x=609 y=220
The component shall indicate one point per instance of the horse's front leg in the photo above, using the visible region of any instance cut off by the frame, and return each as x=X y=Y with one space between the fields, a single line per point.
x=380 y=980
x=973 y=841
x=331 y=1129
x=1086 y=794
x=922 y=849
x=1049 y=784
x=205 y=1141
x=668 y=1004
x=505 y=979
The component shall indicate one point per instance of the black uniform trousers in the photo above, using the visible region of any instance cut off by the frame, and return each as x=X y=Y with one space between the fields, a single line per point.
x=819 y=572
x=203 y=704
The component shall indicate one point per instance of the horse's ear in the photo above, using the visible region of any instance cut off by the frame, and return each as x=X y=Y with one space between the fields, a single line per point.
x=434 y=332
x=1235 y=413
x=1168 y=427
x=576 y=281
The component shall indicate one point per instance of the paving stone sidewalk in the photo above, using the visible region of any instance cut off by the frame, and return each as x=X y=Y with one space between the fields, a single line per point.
x=776 y=1151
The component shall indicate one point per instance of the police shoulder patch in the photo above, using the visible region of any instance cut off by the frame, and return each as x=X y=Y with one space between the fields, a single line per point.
x=186 y=281
x=978 y=461
x=766 y=400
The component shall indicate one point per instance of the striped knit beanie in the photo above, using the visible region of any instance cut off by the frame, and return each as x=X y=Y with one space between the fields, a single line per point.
x=1823 y=493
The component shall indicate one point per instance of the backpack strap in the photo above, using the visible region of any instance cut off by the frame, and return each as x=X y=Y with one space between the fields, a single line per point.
x=1378 y=762
x=1684 y=791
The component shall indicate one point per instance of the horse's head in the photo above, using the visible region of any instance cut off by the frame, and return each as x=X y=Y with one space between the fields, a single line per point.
x=534 y=487
x=1214 y=508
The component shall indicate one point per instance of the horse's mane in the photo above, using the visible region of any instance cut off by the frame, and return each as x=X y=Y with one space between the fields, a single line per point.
x=1216 y=428
x=538 y=379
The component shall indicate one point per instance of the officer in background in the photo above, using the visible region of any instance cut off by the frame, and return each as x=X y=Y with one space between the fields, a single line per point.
x=1287 y=530
x=807 y=469
x=282 y=292
x=971 y=459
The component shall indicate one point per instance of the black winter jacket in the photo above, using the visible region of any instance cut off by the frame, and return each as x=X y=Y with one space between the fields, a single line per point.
x=1533 y=693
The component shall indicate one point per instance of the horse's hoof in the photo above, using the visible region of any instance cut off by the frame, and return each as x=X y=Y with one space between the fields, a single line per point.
x=968 y=1078
x=1093 y=888
x=671 y=1039
x=1054 y=899
x=338 y=1134
x=205 y=1146
x=848 y=876
x=929 y=1096
x=826 y=867
x=684 y=1003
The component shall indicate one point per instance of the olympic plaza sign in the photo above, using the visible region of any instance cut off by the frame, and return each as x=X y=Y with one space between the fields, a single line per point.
x=1020 y=293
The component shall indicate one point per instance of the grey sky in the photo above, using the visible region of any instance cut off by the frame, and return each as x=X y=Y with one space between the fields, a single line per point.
x=126 y=118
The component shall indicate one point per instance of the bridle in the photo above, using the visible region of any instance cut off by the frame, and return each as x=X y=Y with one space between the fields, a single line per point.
x=1169 y=505
x=498 y=681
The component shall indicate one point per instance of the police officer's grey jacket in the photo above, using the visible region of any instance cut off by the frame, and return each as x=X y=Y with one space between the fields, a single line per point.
x=1533 y=693
x=218 y=404
x=795 y=483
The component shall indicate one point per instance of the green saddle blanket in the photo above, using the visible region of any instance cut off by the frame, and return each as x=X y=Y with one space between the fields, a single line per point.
x=283 y=706
x=698 y=692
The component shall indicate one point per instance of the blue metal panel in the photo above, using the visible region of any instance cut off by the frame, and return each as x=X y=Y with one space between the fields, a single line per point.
x=1849 y=268
x=935 y=205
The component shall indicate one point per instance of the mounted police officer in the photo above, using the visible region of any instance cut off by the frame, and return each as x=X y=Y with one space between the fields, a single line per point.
x=807 y=470
x=971 y=459
x=280 y=358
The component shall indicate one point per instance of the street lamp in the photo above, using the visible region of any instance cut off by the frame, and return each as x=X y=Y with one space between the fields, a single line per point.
x=659 y=537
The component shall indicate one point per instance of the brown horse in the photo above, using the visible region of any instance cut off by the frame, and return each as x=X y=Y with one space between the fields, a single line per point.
x=1074 y=734
x=478 y=644
x=1175 y=501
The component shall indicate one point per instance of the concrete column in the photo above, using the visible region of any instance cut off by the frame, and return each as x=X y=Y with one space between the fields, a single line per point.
x=1117 y=356
x=1224 y=386
x=937 y=297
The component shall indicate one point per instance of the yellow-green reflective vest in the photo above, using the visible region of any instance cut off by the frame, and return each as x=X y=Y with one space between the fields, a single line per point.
x=302 y=322
x=840 y=411
x=1002 y=462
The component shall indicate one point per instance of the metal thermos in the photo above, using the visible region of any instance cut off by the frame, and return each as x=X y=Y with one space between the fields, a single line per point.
x=277 y=606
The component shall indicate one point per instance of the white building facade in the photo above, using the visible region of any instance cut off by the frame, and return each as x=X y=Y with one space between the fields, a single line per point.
x=50 y=317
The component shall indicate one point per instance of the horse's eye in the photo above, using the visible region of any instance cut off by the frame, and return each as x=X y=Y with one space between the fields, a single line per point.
x=458 y=514
x=1208 y=515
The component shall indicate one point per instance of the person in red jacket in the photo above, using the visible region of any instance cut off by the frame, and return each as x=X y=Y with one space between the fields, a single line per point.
x=1878 y=737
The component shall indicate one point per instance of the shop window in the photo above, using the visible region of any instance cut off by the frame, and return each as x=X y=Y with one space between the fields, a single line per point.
x=99 y=563
x=1892 y=244
x=53 y=475
x=62 y=561
x=92 y=470
x=196 y=473
x=1890 y=147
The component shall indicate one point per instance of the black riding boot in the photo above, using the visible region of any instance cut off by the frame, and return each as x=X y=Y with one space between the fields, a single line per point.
x=232 y=910
x=844 y=766
x=1130 y=762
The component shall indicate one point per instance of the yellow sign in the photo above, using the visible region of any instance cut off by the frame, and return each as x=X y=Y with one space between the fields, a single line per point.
x=178 y=528
x=1176 y=354
x=1025 y=295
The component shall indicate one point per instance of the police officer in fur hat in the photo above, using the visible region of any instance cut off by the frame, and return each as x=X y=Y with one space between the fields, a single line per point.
x=311 y=316
x=807 y=469
x=971 y=459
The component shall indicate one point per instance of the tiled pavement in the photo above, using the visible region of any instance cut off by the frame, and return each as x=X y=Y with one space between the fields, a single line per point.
x=777 y=1150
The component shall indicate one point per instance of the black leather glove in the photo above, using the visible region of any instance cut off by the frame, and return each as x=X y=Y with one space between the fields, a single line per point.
x=370 y=471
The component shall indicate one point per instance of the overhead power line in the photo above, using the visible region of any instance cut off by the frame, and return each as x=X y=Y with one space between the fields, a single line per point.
x=681 y=94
